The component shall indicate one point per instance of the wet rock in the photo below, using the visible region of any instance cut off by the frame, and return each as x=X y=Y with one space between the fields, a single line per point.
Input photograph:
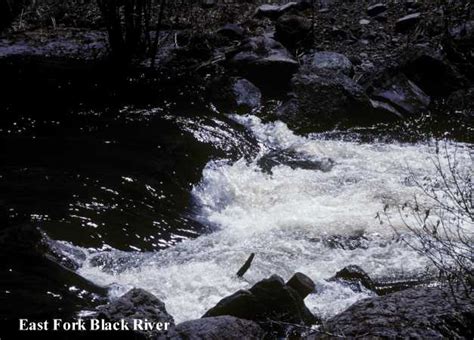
x=294 y=160
x=376 y=9
x=264 y=62
x=354 y=276
x=302 y=284
x=416 y=313
x=326 y=60
x=217 y=328
x=292 y=29
x=400 y=95
x=232 y=31
x=235 y=94
x=269 y=299
x=141 y=305
x=408 y=22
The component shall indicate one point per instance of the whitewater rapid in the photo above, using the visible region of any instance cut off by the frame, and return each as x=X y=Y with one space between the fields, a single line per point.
x=293 y=216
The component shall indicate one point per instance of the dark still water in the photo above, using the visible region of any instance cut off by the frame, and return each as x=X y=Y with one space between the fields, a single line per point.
x=174 y=201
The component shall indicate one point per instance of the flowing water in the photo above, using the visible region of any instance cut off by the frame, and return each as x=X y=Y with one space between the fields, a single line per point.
x=181 y=223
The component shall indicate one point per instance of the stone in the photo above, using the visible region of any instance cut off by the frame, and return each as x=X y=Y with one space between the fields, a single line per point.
x=302 y=284
x=364 y=22
x=265 y=62
x=323 y=99
x=208 y=3
x=138 y=304
x=407 y=22
x=402 y=95
x=376 y=9
x=269 y=299
x=232 y=31
x=326 y=60
x=354 y=275
x=416 y=313
x=219 y=327
x=292 y=29
x=234 y=94
x=433 y=72
x=274 y=11
x=268 y=11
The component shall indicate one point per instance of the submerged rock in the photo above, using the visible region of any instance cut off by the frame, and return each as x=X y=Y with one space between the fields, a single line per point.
x=265 y=62
x=416 y=313
x=268 y=301
x=217 y=328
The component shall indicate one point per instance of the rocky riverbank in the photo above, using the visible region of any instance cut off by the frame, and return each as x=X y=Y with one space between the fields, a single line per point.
x=336 y=64
x=274 y=309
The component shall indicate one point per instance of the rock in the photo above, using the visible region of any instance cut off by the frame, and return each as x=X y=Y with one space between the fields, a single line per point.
x=141 y=305
x=232 y=31
x=268 y=11
x=354 y=276
x=401 y=95
x=412 y=4
x=265 y=62
x=329 y=61
x=246 y=94
x=275 y=11
x=219 y=327
x=302 y=284
x=292 y=29
x=269 y=299
x=324 y=99
x=406 y=23
x=434 y=73
x=235 y=94
x=376 y=9
x=208 y=3
x=416 y=313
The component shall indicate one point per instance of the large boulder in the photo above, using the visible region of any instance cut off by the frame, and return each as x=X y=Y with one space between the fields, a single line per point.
x=291 y=30
x=433 y=73
x=416 y=313
x=219 y=327
x=268 y=301
x=138 y=304
x=265 y=62
x=324 y=99
x=401 y=96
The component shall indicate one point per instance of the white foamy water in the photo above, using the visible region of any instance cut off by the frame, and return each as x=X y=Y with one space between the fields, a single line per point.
x=285 y=217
